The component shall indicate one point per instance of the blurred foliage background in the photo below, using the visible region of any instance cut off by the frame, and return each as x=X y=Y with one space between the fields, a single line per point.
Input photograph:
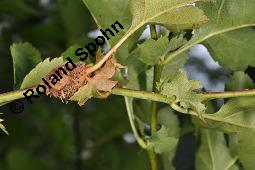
x=52 y=135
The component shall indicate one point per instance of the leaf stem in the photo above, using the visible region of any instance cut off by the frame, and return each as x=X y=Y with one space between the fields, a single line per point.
x=131 y=118
x=111 y=52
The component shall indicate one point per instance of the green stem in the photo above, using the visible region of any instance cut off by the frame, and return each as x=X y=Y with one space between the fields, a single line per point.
x=153 y=160
x=154 y=116
x=131 y=118
x=141 y=95
x=111 y=52
x=13 y=95
x=228 y=94
x=156 y=78
x=154 y=105
x=18 y=94
x=153 y=32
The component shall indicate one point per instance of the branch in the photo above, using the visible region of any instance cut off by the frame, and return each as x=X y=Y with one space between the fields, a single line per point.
x=228 y=94
x=13 y=95
x=18 y=94
x=141 y=95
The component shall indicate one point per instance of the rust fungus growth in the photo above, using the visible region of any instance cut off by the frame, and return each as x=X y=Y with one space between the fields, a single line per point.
x=69 y=84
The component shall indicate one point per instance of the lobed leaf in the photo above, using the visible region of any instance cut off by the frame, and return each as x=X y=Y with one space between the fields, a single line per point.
x=167 y=118
x=228 y=29
x=161 y=141
x=213 y=152
x=246 y=148
x=105 y=18
x=237 y=116
x=175 y=14
x=83 y=94
x=98 y=85
x=151 y=51
x=25 y=57
x=170 y=69
x=41 y=70
x=182 y=90
x=235 y=49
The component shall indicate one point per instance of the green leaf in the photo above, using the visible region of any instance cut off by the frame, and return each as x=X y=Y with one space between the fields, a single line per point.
x=229 y=48
x=161 y=141
x=239 y=81
x=246 y=148
x=83 y=94
x=105 y=18
x=237 y=116
x=227 y=16
x=70 y=52
x=112 y=11
x=225 y=29
x=173 y=14
x=182 y=90
x=167 y=118
x=233 y=144
x=213 y=153
x=25 y=57
x=135 y=68
x=170 y=69
x=151 y=51
x=41 y=70
x=99 y=85
x=73 y=15
x=242 y=143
